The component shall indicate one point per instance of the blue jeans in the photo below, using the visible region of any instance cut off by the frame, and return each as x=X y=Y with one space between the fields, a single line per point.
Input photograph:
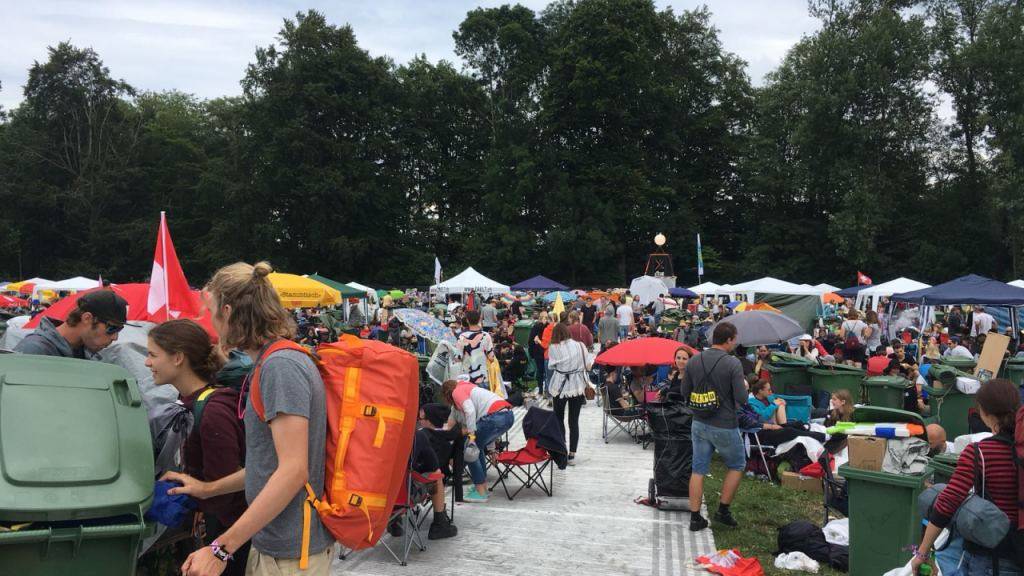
x=707 y=440
x=488 y=429
x=949 y=561
x=540 y=371
x=623 y=332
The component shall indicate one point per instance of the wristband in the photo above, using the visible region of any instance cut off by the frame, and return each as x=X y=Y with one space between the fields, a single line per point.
x=219 y=552
x=921 y=555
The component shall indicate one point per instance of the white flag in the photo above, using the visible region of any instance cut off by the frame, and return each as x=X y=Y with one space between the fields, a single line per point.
x=437 y=270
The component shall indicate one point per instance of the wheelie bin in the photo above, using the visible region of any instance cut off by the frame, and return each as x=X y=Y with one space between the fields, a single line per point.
x=77 y=464
x=1014 y=370
x=962 y=364
x=521 y=334
x=884 y=519
x=942 y=467
x=789 y=370
x=831 y=379
x=885 y=391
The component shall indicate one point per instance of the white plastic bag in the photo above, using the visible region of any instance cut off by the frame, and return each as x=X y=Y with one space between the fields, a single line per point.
x=901 y=571
x=968 y=385
x=796 y=561
x=838 y=532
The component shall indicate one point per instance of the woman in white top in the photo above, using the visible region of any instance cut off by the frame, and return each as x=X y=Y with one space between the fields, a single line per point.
x=807 y=349
x=567 y=360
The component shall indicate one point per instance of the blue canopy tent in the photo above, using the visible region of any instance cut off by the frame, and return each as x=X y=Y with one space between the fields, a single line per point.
x=540 y=283
x=970 y=289
x=851 y=292
x=682 y=293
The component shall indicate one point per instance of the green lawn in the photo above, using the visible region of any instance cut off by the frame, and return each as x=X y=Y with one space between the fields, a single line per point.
x=761 y=509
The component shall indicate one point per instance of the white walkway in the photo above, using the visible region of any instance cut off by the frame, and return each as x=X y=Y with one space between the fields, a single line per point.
x=590 y=527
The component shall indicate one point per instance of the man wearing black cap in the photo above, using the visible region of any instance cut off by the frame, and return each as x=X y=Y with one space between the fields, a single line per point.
x=92 y=325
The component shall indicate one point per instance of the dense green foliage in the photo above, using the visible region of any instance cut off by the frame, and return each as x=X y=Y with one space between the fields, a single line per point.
x=566 y=140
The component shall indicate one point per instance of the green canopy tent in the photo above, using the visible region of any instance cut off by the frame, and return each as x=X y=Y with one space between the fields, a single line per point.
x=346 y=290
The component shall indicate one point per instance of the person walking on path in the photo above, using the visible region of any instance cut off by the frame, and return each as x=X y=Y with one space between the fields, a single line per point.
x=715 y=390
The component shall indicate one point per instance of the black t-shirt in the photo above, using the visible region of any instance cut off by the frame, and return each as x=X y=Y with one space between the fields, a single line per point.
x=535 y=332
x=589 y=313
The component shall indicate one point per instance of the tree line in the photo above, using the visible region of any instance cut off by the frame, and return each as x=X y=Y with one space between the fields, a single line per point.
x=561 y=144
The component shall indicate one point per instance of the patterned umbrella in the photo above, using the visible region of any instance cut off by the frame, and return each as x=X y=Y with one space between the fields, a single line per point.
x=552 y=296
x=425 y=325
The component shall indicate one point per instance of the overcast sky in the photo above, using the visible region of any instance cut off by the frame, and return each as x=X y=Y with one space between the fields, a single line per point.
x=202 y=47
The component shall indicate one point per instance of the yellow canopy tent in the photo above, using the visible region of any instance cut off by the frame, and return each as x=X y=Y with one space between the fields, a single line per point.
x=746 y=306
x=299 y=292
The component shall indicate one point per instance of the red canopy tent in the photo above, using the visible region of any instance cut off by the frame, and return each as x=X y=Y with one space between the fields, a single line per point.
x=12 y=302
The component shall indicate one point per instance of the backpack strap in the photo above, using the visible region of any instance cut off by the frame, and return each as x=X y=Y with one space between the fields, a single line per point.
x=200 y=404
x=254 y=377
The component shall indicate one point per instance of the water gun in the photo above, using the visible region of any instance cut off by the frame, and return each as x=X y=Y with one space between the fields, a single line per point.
x=881 y=430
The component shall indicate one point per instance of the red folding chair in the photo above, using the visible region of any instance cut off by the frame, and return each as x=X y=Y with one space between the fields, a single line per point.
x=527 y=465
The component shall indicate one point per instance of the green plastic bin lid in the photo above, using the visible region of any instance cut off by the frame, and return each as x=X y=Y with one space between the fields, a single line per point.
x=902 y=480
x=887 y=381
x=74 y=440
x=787 y=359
x=957 y=361
x=1017 y=363
x=837 y=370
x=865 y=413
x=946 y=459
x=524 y=323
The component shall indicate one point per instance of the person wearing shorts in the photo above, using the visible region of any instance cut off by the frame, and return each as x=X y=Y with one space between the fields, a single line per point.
x=716 y=429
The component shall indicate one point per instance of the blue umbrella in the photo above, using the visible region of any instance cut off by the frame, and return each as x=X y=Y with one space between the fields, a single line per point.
x=552 y=296
x=425 y=325
x=733 y=304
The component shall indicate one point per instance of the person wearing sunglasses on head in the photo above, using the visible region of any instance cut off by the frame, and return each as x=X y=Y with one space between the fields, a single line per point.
x=93 y=325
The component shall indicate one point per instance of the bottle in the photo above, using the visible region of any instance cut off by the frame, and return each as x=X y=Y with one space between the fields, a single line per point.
x=924 y=570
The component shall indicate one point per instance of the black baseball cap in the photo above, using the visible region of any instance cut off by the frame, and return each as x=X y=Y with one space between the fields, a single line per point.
x=106 y=306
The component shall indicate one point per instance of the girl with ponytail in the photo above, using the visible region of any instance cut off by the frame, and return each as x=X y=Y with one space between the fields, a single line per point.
x=181 y=354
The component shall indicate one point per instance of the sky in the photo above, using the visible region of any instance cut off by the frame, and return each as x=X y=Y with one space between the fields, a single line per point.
x=202 y=47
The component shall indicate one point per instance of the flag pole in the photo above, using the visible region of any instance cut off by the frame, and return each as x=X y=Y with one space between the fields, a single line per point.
x=163 y=246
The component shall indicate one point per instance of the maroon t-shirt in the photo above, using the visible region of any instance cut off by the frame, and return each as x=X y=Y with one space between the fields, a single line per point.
x=217 y=449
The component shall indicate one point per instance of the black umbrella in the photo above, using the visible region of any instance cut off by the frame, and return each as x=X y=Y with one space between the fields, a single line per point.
x=759 y=327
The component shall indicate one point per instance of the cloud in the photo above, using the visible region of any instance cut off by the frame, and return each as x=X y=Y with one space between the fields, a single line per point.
x=204 y=47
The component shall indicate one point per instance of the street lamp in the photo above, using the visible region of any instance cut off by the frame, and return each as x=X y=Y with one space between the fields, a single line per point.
x=659 y=240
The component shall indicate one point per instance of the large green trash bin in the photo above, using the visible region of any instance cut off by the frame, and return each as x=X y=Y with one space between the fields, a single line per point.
x=884 y=520
x=1015 y=370
x=77 y=465
x=962 y=364
x=521 y=334
x=885 y=391
x=788 y=370
x=949 y=406
x=831 y=379
x=942 y=467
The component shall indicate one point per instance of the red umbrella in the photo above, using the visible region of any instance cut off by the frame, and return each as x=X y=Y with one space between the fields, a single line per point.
x=11 y=302
x=137 y=296
x=650 y=350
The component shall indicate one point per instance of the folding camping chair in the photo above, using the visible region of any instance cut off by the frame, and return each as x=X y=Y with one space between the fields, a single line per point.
x=835 y=496
x=762 y=450
x=527 y=465
x=632 y=425
x=412 y=508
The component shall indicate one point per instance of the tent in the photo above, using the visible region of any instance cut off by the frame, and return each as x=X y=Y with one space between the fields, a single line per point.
x=70 y=285
x=970 y=289
x=469 y=280
x=826 y=288
x=799 y=302
x=769 y=285
x=682 y=293
x=886 y=289
x=345 y=290
x=647 y=289
x=540 y=283
x=1017 y=283
x=852 y=291
x=705 y=289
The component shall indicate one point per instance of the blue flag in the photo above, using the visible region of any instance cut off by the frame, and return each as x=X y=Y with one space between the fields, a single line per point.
x=700 y=259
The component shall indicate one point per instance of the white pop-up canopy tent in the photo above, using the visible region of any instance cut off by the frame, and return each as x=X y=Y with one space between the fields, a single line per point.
x=1017 y=283
x=647 y=289
x=870 y=296
x=769 y=285
x=705 y=289
x=75 y=284
x=469 y=280
x=826 y=288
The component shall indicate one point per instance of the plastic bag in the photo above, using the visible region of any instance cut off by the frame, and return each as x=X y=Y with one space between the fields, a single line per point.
x=906 y=570
x=796 y=561
x=838 y=532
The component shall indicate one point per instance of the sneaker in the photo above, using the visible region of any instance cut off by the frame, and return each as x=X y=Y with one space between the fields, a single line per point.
x=441 y=528
x=697 y=523
x=725 y=517
x=473 y=496
x=572 y=459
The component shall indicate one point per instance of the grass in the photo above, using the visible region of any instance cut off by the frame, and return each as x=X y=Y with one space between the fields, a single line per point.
x=761 y=509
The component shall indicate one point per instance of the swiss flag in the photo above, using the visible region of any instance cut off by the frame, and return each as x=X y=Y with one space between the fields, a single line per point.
x=169 y=294
x=862 y=279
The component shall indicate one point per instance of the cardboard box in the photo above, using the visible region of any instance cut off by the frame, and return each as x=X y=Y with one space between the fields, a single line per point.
x=992 y=355
x=867 y=452
x=801 y=483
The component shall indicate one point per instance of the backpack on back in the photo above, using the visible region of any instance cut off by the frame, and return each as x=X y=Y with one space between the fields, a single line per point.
x=372 y=393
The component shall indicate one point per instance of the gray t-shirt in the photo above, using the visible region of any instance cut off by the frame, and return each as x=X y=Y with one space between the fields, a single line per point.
x=725 y=374
x=489 y=316
x=289 y=384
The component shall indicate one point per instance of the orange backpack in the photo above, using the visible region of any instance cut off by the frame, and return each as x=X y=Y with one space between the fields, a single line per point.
x=372 y=393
